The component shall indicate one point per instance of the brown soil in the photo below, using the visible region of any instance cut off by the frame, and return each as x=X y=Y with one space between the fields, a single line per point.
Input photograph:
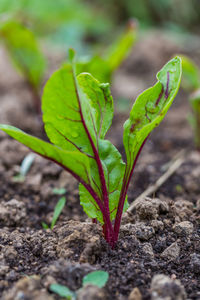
x=161 y=236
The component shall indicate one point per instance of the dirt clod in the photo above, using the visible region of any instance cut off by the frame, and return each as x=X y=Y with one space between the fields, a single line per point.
x=165 y=288
x=148 y=208
x=183 y=228
x=27 y=288
x=172 y=252
x=12 y=212
x=91 y=292
x=135 y=295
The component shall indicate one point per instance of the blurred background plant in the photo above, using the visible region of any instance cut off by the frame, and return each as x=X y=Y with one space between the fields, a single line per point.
x=79 y=22
x=95 y=29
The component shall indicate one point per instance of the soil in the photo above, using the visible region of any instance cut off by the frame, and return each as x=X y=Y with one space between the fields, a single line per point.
x=160 y=236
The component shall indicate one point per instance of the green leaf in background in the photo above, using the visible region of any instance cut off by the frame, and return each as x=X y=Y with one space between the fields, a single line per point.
x=62 y=291
x=102 y=67
x=76 y=163
x=120 y=49
x=194 y=118
x=27 y=163
x=150 y=108
x=24 y=51
x=95 y=65
x=57 y=211
x=59 y=191
x=98 y=278
x=191 y=74
x=45 y=226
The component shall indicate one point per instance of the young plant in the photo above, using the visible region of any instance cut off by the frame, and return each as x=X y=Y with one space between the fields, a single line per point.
x=25 y=53
x=57 y=211
x=102 y=67
x=191 y=83
x=97 y=278
x=77 y=113
x=25 y=167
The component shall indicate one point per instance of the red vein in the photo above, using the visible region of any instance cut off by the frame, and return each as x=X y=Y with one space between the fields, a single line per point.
x=106 y=214
x=68 y=140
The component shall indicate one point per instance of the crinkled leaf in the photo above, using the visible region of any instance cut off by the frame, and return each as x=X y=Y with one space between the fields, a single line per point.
x=69 y=106
x=24 y=51
x=75 y=162
x=101 y=102
x=150 y=108
x=97 y=278
x=72 y=109
x=191 y=74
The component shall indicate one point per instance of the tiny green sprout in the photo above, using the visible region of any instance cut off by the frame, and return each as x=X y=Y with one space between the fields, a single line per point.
x=77 y=113
x=103 y=66
x=191 y=83
x=25 y=54
x=57 y=211
x=62 y=291
x=59 y=191
x=97 y=278
x=25 y=167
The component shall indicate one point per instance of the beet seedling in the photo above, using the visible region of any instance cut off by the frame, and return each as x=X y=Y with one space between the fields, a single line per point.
x=97 y=278
x=77 y=113
x=57 y=211
x=24 y=52
x=191 y=83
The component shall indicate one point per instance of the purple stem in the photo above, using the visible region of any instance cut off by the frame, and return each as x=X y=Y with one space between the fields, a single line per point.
x=101 y=172
x=123 y=196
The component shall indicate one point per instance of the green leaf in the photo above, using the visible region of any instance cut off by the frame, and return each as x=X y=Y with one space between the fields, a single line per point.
x=120 y=49
x=57 y=211
x=97 y=66
x=69 y=105
x=26 y=164
x=24 y=51
x=114 y=169
x=45 y=226
x=98 y=278
x=62 y=291
x=75 y=162
x=101 y=102
x=150 y=108
x=102 y=67
x=59 y=191
x=194 y=117
x=76 y=114
x=191 y=74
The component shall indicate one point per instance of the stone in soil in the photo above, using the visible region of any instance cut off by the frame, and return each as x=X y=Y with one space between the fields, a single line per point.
x=165 y=288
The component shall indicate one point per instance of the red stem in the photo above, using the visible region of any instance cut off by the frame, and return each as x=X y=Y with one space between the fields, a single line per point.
x=110 y=232
x=123 y=195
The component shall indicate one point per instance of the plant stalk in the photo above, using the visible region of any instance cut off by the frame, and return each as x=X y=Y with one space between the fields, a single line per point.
x=123 y=195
